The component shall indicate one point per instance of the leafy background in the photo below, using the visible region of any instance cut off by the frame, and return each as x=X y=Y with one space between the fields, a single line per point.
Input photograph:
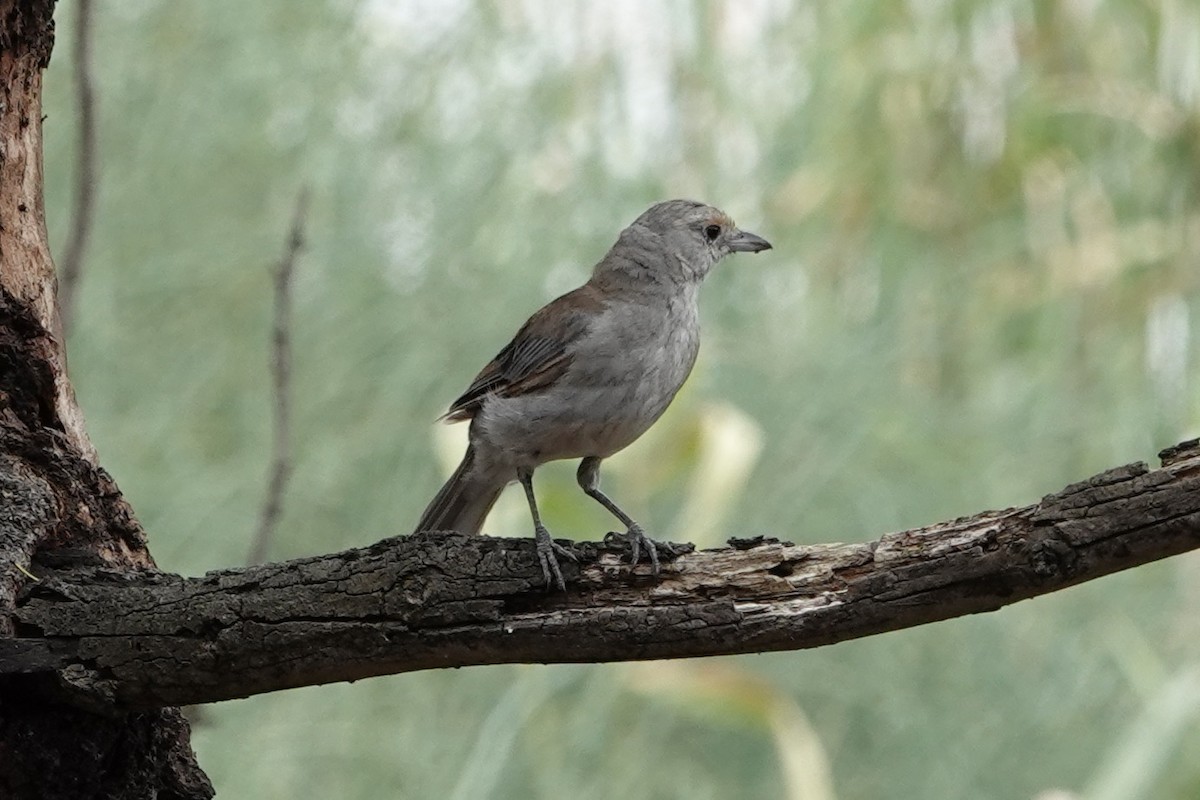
x=984 y=287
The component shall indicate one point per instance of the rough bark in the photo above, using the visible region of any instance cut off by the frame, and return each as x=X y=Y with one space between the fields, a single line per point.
x=141 y=641
x=56 y=504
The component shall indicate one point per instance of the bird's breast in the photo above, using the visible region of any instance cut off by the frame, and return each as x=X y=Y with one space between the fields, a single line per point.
x=644 y=352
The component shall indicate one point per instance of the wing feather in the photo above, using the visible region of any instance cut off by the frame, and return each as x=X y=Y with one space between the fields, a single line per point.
x=537 y=356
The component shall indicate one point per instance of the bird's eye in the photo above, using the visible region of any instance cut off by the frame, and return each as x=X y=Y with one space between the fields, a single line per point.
x=712 y=232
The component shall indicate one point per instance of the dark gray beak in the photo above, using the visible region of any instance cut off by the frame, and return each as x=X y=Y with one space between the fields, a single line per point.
x=746 y=242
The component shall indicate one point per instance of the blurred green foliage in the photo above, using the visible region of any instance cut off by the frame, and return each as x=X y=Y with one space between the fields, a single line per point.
x=986 y=218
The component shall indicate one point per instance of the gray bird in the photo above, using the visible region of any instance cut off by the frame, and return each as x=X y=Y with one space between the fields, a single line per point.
x=589 y=372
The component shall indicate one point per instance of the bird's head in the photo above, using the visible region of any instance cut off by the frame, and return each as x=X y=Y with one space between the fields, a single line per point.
x=681 y=240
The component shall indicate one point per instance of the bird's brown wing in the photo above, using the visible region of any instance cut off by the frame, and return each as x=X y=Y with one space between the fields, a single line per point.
x=537 y=355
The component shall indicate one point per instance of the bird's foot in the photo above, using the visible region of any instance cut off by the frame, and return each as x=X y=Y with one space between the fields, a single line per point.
x=547 y=552
x=638 y=540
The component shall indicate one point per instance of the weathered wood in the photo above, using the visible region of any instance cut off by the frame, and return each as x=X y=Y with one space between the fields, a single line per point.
x=443 y=600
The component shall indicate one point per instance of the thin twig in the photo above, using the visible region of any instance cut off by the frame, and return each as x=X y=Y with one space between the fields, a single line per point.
x=281 y=368
x=85 y=165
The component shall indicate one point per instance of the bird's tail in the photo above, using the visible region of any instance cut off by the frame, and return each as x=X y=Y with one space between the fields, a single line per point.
x=463 y=502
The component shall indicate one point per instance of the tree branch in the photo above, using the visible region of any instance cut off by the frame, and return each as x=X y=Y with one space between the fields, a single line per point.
x=445 y=600
x=85 y=165
x=281 y=373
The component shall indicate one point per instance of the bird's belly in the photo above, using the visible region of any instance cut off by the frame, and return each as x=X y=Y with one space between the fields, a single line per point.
x=592 y=412
x=553 y=425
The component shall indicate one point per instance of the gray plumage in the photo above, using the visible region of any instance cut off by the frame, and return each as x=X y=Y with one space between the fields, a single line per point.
x=589 y=372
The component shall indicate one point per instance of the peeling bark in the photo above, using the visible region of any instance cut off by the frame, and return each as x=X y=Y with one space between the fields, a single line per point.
x=141 y=641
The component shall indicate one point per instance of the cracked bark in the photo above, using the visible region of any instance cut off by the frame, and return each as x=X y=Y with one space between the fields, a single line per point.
x=144 y=640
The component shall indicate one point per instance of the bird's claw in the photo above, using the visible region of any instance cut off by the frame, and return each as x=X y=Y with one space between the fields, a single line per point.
x=547 y=552
x=637 y=540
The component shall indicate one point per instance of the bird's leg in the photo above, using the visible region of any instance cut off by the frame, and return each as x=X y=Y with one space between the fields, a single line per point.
x=589 y=480
x=546 y=547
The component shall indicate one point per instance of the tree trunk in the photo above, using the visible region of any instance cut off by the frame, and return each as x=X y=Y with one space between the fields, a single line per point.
x=58 y=505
